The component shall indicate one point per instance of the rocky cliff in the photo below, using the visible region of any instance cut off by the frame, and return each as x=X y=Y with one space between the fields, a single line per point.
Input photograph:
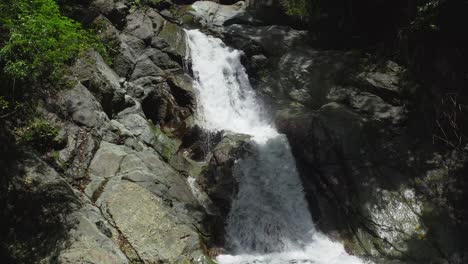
x=115 y=189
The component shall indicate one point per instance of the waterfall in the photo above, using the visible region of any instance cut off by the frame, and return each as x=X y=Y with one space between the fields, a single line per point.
x=269 y=221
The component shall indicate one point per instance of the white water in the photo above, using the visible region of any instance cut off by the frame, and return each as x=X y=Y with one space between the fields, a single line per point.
x=269 y=221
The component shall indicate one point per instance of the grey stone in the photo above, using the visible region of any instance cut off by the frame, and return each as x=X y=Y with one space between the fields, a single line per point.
x=75 y=237
x=272 y=40
x=368 y=104
x=101 y=80
x=124 y=61
x=139 y=25
x=162 y=60
x=95 y=74
x=105 y=164
x=165 y=146
x=218 y=180
x=135 y=123
x=211 y=14
x=89 y=244
x=135 y=44
x=146 y=68
x=114 y=10
x=150 y=227
x=175 y=36
x=82 y=106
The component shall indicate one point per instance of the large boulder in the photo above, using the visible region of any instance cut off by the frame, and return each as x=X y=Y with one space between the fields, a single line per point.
x=211 y=14
x=150 y=226
x=148 y=202
x=306 y=76
x=92 y=239
x=82 y=106
x=218 y=180
x=274 y=40
x=215 y=184
x=170 y=105
x=94 y=73
x=114 y=10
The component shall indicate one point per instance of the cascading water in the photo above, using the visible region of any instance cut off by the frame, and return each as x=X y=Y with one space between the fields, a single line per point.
x=269 y=221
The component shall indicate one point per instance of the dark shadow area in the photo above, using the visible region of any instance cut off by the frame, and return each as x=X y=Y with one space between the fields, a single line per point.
x=9 y=155
x=34 y=206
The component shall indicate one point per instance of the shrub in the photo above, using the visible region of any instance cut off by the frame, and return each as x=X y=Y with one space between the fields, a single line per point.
x=296 y=8
x=3 y=104
x=39 y=134
x=40 y=40
x=426 y=17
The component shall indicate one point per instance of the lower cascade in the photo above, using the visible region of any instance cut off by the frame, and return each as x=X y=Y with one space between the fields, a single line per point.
x=269 y=221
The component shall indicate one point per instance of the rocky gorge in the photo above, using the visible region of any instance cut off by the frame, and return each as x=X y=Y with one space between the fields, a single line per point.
x=132 y=178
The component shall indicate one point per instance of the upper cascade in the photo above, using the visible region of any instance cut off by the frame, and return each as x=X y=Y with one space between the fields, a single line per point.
x=226 y=100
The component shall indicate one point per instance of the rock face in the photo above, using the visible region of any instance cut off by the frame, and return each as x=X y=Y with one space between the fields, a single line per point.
x=363 y=168
x=116 y=191
x=363 y=145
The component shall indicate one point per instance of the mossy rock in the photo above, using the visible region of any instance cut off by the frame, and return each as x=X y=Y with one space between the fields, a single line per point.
x=175 y=36
x=184 y=164
x=167 y=147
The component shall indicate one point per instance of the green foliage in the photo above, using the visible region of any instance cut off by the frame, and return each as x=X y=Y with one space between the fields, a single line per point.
x=106 y=43
x=298 y=8
x=40 y=40
x=426 y=18
x=4 y=105
x=39 y=134
x=148 y=2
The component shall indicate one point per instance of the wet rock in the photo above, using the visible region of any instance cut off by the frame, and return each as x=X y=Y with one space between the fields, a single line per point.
x=243 y=18
x=306 y=77
x=217 y=180
x=215 y=185
x=170 y=107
